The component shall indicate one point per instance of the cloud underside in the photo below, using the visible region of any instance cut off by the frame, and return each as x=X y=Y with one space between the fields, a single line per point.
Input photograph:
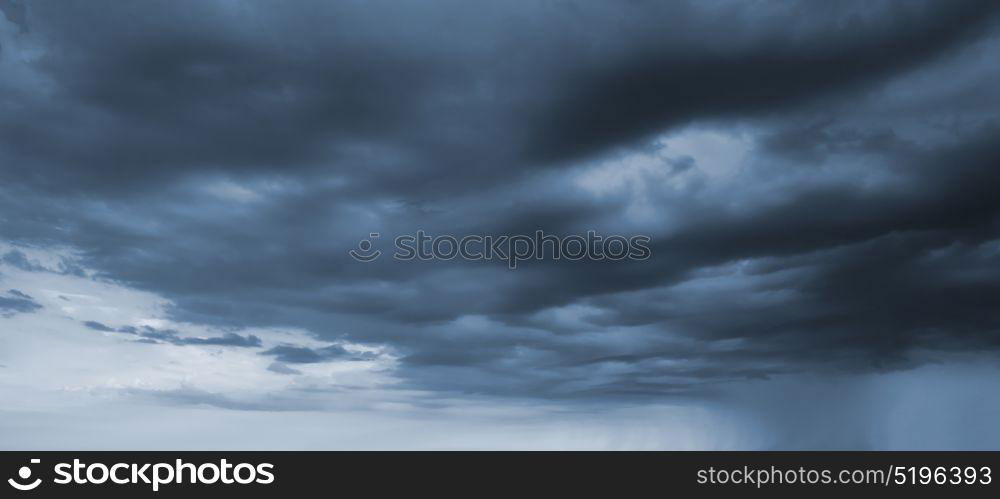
x=819 y=181
x=17 y=302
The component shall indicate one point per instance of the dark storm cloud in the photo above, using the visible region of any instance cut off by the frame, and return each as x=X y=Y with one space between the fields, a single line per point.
x=227 y=158
x=657 y=88
x=190 y=88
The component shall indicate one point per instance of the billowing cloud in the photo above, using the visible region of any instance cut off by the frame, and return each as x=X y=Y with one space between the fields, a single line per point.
x=817 y=181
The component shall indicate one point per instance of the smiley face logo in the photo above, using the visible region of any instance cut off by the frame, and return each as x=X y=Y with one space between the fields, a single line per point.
x=365 y=251
x=25 y=473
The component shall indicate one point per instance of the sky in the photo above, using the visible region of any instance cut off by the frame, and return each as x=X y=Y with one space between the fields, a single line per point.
x=182 y=182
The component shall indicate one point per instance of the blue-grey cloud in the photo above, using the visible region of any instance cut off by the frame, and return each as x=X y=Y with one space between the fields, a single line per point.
x=154 y=335
x=17 y=302
x=20 y=260
x=228 y=339
x=292 y=354
x=97 y=326
x=229 y=169
x=278 y=367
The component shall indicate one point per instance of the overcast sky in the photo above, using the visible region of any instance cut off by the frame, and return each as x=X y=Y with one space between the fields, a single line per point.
x=181 y=182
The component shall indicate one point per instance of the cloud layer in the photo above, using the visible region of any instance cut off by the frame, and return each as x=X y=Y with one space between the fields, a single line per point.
x=819 y=182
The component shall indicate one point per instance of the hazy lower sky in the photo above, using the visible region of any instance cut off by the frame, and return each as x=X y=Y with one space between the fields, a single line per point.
x=181 y=183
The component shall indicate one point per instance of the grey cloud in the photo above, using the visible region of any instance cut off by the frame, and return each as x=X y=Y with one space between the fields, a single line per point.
x=153 y=335
x=97 y=326
x=656 y=88
x=195 y=396
x=17 y=302
x=229 y=169
x=20 y=260
x=278 y=367
x=174 y=99
x=292 y=354
x=15 y=12
x=228 y=339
